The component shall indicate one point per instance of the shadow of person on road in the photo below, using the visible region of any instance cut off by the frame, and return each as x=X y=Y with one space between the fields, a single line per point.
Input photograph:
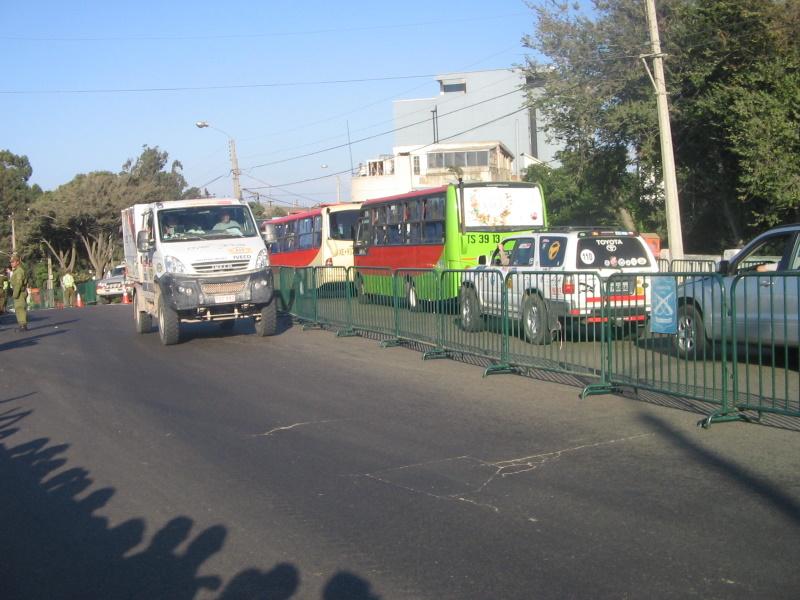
x=56 y=546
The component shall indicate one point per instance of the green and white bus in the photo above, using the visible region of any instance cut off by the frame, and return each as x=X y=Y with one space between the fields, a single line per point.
x=455 y=226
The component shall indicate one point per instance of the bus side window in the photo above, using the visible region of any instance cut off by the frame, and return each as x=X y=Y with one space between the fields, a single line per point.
x=434 y=232
x=415 y=236
x=395 y=234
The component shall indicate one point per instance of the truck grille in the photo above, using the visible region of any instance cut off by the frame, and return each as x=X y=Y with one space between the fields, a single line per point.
x=233 y=287
x=220 y=267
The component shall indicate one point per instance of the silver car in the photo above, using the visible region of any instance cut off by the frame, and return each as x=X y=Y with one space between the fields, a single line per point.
x=760 y=288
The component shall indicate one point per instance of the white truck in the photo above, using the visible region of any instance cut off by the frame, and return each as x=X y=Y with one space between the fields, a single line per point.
x=197 y=261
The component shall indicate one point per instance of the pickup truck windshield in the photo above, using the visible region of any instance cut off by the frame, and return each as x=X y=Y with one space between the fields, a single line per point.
x=205 y=222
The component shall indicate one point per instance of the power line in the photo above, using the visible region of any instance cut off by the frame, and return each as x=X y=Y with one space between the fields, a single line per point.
x=450 y=137
x=215 y=87
x=173 y=37
x=381 y=134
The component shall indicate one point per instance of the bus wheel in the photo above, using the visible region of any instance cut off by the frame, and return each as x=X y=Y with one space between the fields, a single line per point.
x=534 y=320
x=470 y=309
x=412 y=301
x=360 y=293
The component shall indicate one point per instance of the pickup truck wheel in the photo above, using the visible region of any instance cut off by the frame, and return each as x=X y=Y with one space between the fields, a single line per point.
x=142 y=319
x=268 y=323
x=470 y=309
x=168 y=324
x=534 y=320
x=690 y=341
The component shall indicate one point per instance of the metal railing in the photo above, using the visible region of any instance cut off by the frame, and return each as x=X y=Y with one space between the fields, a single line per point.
x=735 y=347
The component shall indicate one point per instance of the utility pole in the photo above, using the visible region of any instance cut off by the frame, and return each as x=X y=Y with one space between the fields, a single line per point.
x=674 y=234
x=237 y=191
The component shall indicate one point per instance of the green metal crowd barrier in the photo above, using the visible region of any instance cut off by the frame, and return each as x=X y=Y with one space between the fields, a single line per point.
x=765 y=323
x=733 y=347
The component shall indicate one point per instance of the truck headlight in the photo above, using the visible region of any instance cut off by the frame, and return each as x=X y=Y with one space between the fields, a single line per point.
x=262 y=260
x=173 y=265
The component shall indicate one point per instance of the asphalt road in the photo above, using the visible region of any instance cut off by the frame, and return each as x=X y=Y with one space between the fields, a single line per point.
x=310 y=466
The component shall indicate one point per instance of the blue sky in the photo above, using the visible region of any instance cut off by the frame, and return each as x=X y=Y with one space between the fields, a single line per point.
x=58 y=57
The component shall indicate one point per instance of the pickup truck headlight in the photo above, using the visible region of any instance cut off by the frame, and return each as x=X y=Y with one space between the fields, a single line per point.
x=262 y=260
x=173 y=265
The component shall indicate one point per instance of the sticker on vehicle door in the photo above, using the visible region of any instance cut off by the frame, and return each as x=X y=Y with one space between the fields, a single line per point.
x=587 y=256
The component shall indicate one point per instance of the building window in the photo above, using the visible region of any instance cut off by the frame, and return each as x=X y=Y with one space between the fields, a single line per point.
x=443 y=160
x=458 y=86
x=416 y=165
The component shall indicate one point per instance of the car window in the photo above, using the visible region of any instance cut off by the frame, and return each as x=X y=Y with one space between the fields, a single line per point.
x=794 y=265
x=508 y=248
x=767 y=255
x=608 y=251
x=552 y=250
x=523 y=254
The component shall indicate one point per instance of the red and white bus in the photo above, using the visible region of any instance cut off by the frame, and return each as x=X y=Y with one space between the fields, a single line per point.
x=315 y=237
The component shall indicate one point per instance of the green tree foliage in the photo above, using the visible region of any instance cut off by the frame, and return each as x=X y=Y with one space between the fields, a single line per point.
x=15 y=196
x=258 y=209
x=85 y=212
x=732 y=76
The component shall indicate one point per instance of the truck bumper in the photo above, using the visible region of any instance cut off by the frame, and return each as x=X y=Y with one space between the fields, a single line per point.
x=241 y=293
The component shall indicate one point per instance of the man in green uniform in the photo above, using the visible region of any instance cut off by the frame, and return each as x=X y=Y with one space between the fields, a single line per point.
x=19 y=283
x=68 y=285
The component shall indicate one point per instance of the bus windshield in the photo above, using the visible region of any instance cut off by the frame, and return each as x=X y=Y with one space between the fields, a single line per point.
x=343 y=224
x=503 y=207
x=205 y=222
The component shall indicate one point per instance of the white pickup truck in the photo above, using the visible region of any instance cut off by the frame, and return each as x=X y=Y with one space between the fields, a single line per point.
x=195 y=261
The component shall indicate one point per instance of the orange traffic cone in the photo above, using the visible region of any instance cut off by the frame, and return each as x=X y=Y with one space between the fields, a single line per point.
x=78 y=300
x=125 y=298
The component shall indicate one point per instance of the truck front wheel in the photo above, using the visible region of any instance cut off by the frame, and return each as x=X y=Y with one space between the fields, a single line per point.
x=168 y=324
x=268 y=323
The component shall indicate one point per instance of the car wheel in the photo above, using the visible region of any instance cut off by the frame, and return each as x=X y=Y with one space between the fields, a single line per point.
x=470 y=309
x=360 y=293
x=168 y=324
x=534 y=320
x=412 y=301
x=690 y=341
x=268 y=323
x=143 y=320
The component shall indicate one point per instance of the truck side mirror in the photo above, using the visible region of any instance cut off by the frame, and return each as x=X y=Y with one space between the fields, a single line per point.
x=143 y=243
x=482 y=259
x=723 y=267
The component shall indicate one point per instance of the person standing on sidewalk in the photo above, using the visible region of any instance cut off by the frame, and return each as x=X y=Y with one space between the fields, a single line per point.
x=3 y=291
x=68 y=284
x=19 y=283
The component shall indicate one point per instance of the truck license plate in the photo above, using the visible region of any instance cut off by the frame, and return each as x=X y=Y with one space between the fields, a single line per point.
x=225 y=299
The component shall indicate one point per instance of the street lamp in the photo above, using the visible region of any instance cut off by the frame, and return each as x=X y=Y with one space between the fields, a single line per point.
x=338 y=185
x=237 y=192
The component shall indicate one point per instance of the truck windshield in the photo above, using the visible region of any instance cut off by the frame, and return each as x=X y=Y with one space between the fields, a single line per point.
x=205 y=222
